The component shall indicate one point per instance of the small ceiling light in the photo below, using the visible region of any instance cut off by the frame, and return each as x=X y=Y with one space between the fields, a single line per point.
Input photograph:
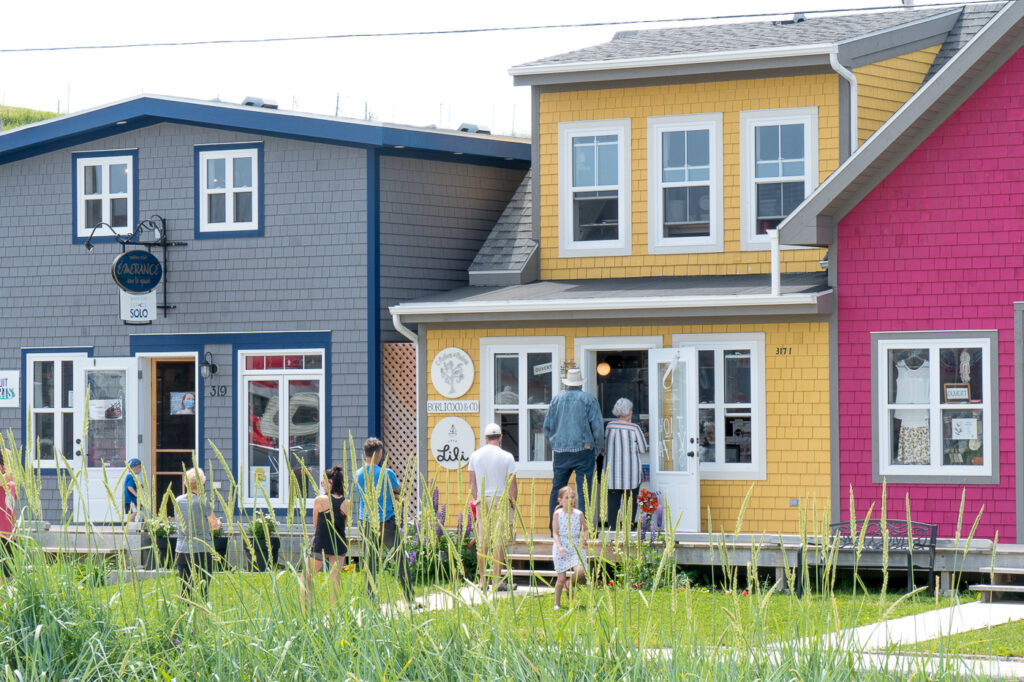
x=121 y=123
x=399 y=146
x=458 y=153
x=207 y=369
x=604 y=369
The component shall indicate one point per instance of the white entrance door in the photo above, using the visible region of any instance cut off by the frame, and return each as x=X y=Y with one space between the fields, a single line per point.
x=108 y=438
x=675 y=469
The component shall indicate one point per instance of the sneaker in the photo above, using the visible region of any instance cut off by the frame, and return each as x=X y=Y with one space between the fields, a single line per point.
x=556 y=607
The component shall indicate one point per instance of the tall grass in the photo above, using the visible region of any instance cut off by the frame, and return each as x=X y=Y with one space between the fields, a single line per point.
x=60 y=620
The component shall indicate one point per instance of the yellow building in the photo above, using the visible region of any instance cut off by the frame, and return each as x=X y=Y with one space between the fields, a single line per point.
x=640 y=249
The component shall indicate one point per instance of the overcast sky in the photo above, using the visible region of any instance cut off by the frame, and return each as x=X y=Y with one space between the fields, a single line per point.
x=421 y=80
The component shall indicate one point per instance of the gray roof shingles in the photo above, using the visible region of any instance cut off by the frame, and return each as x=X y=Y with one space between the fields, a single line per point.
x=970 y=21
x=509 y=245
x=731 y=37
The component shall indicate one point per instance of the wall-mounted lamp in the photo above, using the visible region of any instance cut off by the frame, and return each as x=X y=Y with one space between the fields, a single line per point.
x=207 y=369
x=156 y=225
x=604 y=369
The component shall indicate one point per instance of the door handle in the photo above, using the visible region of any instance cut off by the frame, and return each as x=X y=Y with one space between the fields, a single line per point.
x=691 y=453
x=78 y=453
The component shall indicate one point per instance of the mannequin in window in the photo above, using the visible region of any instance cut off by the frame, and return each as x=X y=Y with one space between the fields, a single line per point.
x=912 y=388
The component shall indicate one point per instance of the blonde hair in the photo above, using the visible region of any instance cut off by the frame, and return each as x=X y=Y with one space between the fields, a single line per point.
x=194 y=477
x=567 y=490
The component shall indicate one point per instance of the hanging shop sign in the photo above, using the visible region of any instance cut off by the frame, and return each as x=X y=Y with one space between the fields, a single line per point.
x=138 y=308
x=9 y=388
x=137 y=271
x=451 y=442
x=451 y=372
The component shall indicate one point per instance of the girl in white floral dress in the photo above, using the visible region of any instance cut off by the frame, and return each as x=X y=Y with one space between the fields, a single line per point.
x=570 y=543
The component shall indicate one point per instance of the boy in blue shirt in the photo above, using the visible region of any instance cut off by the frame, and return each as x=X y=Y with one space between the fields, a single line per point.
x=131 y=489
x=377 y=517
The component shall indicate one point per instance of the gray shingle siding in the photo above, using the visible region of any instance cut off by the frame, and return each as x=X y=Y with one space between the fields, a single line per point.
x=971 y=20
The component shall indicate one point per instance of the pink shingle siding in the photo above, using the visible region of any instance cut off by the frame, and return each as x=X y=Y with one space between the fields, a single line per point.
x=938 y=245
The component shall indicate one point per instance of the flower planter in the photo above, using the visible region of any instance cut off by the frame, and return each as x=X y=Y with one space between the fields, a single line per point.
x=220 y=549
x=257 y=558
x=160 y=554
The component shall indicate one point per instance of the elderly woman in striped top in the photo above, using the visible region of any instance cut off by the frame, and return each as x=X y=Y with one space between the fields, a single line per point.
x=624 y=442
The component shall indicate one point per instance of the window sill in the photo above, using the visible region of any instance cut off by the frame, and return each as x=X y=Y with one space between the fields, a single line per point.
x=726 y=473
x=535 y=470
x=952 y=477
x=596 y=251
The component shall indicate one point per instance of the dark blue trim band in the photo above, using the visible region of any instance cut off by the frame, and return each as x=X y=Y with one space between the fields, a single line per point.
x=373 y=359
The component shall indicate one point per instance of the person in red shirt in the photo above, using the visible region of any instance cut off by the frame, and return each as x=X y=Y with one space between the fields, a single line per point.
x=8 y=508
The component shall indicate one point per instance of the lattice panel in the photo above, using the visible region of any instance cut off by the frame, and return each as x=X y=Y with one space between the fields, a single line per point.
x=398 y=419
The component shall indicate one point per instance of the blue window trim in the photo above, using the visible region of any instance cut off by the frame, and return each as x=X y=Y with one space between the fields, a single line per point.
x=102 y=235
x=143 y=343
x=23 y=380
x=197 y=191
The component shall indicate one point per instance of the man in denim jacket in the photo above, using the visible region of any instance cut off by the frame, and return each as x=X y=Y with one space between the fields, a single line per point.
x=575 y=432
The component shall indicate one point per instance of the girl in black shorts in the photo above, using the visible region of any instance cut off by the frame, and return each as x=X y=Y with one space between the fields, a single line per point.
x=330 y=519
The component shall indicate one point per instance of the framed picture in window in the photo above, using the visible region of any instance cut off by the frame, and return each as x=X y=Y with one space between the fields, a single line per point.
x=956 y=393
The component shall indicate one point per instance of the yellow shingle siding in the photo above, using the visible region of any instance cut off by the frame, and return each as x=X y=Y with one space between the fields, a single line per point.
x=883 y=87
x=796 y=416
x=637 y=104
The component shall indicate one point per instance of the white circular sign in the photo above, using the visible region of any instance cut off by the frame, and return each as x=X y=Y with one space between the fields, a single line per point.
x=451 y=442
x=451 y=372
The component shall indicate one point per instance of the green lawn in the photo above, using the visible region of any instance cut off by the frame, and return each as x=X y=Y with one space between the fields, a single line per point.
x=12 y=117
x=1002 y=640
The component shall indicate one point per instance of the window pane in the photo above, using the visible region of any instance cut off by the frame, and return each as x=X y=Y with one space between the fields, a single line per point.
x=960 y=375
x=538 y=443
x=119 y=178
x=68 y=437
x=108 y=413
x=43 y=439
x=706 y=425
x=538 y=377
x=737 y=376
x=596 y=216
x=42 y=383
x=93 y=180
x=242 y=172
x=215 y=174
x=313 y=362
x=962 y=438
x=67 y=383
x=687 y=211
x=215 y=208
x=910 y=437
x=909 y=376
x=792 y=168
x=698 y=147
x=509 y=423
x=766 y=143
x=584 y=162
x=706 y=376
x=737 y=437
x=243 y=207
x=792 y=141
x=93 y=212
x=769 y=200
x=275 y=362
x=254 y=362
x=304 y=435
x=673 y=149
x=792 y=195
x=506 y=379
x=263 y=439
x=293 y=362
x=767 y=169
x=119 y=212
x=608 y=164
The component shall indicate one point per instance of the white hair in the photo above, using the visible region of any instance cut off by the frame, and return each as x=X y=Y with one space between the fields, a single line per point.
x=622 y=407
x=194 y=478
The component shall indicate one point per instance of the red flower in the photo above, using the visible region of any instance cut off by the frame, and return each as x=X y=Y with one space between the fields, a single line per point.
x=648 y=501
x=745 y=593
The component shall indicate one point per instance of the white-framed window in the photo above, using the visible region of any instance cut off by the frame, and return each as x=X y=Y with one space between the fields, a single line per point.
x=49 y=408
x=778 y=168
x=104 y=193
x=593 y=194
x=684 y=183
x=730 y=404
x=282 y=416
x=934 y=404
x=228 y=188
x=519 y=379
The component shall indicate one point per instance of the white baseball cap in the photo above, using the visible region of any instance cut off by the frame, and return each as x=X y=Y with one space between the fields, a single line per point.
x=492 y=429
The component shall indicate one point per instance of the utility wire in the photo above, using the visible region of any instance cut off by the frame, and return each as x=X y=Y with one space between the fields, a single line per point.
x=463 y=31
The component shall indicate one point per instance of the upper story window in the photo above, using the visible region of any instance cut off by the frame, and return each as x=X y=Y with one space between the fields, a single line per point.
x=685 y=183
x=594 y=188
x=229 y=190
x=933 y=405
x=778 y=168
x=105 y=193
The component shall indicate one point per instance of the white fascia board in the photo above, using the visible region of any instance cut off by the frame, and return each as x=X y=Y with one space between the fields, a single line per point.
x=677 y=59
x=605 y=304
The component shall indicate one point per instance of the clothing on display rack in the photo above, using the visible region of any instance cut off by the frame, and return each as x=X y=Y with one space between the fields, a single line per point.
x=912 y=385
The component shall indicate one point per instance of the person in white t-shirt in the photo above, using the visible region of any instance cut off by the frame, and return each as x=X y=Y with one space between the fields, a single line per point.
x=492 y=479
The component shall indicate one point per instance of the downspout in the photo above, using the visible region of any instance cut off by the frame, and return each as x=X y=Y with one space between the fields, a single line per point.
x=396 y=320
x=833 y=60
x=773 y=240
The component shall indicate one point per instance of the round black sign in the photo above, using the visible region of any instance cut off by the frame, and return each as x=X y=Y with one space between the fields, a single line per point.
x=137 y=271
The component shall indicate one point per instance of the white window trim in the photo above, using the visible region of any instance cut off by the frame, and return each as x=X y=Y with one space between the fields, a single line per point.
x=246 y=498
x=987 y=406
x=229 y=190
x=30 y=395
x=656 y=127
x=84 y=231
x=756 y=470
x=567 y=246
x=517 y=344
x=749 y=120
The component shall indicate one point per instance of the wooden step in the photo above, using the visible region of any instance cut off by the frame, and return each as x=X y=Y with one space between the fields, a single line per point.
x=988 y=592
x=542 y=573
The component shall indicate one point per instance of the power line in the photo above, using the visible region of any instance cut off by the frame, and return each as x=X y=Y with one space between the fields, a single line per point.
x=463 y=31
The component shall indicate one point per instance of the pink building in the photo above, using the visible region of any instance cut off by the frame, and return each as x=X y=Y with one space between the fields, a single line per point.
x=925 y=229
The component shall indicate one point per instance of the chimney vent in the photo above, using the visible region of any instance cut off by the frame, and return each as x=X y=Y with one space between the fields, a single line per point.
x=260 y=103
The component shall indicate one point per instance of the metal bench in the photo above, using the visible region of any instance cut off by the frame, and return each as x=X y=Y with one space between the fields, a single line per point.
x=893 y=537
